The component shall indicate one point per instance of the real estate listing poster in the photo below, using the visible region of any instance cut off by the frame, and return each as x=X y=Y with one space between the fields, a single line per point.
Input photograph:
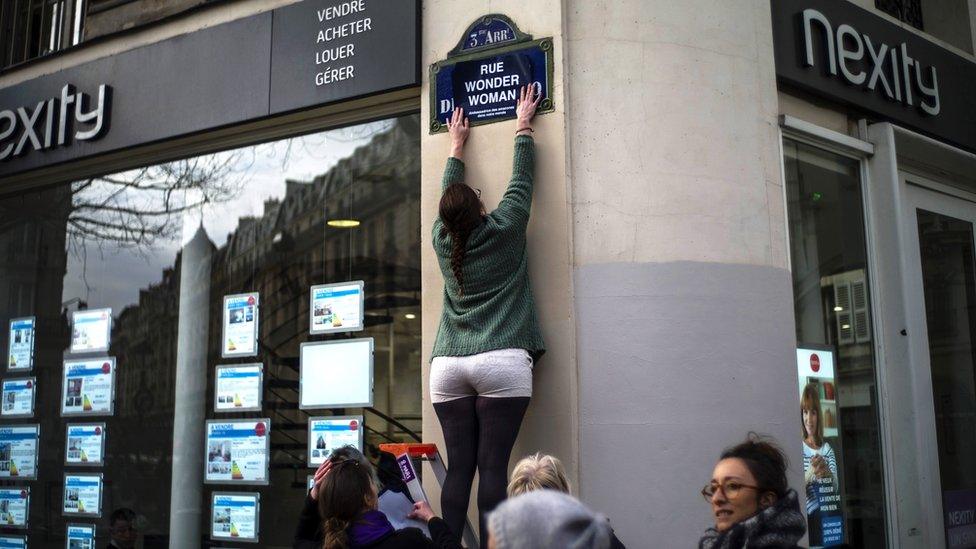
x=237 y=451
x=240 y=325
x=325 y=434
x=20 y=344
x=13 y=542
x=91 y=330
x=819 y=421
x=336 y=374
x=238 y=388
x=14 y=506
x=17 y=397
x=80 y=536
x=88 y=387
x=82 y=494
x=18 y=451
x=85 y=444
x=235 y=516
x=336 y=308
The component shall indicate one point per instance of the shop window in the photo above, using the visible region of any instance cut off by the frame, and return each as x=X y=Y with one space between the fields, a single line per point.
x=160 y=247
x=845 y=497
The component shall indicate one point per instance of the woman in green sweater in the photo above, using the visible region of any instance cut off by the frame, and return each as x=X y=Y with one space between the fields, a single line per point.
x=489 y=337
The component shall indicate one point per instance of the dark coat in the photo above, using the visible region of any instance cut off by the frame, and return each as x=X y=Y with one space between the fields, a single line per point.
x=309 y=534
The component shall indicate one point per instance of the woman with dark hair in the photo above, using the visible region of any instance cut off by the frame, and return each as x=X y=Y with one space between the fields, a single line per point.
x=481 y=371
x=752 y=504
x=349 y=519
x=819 y=460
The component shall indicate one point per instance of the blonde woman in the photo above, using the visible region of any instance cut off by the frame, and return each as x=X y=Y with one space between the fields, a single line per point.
x=544 y=472
x=536 y=472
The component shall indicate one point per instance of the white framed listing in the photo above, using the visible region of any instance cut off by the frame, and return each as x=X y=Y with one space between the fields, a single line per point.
x=17 y=397
x=18 y=451
x=13 y=542
x=80 y=536
x=238 y=451
x=91 y=330
x=235 y=516
x=238 y=387
x=88 y=387
x=325 y=434
x=336 y=308
x=240 y=325
x=14 y=507
x=20 y=344
x=84 y=444
x=82 y=495
x=336 y=374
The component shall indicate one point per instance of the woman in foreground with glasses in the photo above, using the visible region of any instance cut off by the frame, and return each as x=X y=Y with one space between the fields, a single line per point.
x=752 y=504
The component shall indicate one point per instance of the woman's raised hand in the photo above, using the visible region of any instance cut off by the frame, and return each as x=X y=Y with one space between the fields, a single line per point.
x=319 y=475
x=529 y=98
x=458 y=127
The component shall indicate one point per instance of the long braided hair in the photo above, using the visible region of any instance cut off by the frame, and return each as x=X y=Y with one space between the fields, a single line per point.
x=460 y=210
x=343 y=498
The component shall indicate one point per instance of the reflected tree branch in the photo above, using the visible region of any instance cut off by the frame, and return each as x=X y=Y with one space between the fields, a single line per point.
x=138 y=208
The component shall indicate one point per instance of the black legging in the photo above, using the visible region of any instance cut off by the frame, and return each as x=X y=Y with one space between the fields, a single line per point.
x=478 y=431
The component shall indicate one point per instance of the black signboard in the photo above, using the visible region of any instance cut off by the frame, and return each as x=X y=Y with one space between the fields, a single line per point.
x=157 y=92
x=241 y=71
x=325 y=51
x=484 y=73
x=850 y=55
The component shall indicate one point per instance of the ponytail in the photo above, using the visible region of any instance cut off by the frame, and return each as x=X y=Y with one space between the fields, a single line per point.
x=335 y=534
x=459 y=241
x=460 y=210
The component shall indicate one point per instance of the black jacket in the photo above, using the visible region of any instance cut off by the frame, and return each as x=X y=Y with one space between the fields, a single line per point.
x=309 y=534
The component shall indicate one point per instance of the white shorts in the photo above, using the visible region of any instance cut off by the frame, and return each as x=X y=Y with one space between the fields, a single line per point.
x=503 y=373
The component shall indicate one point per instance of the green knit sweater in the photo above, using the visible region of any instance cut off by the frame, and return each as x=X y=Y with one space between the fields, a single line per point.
x=497 y=310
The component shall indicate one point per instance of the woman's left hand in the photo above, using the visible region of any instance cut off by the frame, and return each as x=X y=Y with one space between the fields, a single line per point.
x=422 y=511
x=458 y=128
x=317 y=479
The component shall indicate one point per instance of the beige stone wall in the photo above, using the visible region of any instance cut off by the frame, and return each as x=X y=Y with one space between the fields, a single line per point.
x=551 y=422
x=676 y=100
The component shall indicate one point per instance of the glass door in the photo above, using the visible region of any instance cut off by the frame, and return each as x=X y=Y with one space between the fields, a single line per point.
x=941 y=232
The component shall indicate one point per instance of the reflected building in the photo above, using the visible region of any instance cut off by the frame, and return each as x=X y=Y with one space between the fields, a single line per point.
x=281 y=253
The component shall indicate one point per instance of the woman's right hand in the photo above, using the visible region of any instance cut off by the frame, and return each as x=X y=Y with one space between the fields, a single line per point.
x=529 y=98
x=457 y=127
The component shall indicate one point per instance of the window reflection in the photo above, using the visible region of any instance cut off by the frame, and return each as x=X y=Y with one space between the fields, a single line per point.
x=833 y=310
x=161 y=246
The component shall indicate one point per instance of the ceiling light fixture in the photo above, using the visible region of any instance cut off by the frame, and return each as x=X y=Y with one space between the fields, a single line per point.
x=343 y=223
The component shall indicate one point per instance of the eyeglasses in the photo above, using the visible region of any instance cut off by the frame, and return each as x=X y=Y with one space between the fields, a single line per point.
x=730 y=488
x=477 y=192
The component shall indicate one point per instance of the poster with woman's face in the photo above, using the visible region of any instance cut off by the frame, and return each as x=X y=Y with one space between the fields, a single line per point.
x=819 y=427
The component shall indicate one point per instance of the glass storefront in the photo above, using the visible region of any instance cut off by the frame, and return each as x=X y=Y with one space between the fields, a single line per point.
x=161 y=247
x=839 y=416
x=946 y=250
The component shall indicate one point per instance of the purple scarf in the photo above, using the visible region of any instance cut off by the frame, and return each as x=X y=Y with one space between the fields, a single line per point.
x=370 y=528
